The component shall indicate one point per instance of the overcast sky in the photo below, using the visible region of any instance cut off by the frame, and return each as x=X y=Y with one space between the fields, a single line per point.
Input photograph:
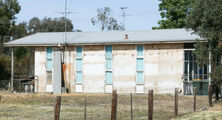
x=141 y=14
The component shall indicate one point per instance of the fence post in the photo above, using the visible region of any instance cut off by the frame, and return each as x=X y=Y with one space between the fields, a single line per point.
x=210 y=95
x=194 y=99
x=57 y=108
x=131 y=105
x=150 y=105
x=0 y=98
x=176 y=101
x=114 y=106
x=85 y=108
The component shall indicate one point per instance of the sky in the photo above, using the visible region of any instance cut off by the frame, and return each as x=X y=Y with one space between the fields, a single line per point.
x=141 y=14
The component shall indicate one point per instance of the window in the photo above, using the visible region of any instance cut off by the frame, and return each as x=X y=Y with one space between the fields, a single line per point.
x=79 y=64
x=140 y=65
x=192 y=70
x=48 y=58
x=109 y=74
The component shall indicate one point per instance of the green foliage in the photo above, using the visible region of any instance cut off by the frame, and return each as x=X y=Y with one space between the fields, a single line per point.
x=202 y=53
x=49 y=25
x=105 y=20
x=8 y=10
x=205 y=19
x=217 y=75
x=21 y=52
x=4 y=65
x=173 y=13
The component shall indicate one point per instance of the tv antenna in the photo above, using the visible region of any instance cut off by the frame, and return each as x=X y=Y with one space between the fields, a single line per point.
x=65 y=13
x=124 y=15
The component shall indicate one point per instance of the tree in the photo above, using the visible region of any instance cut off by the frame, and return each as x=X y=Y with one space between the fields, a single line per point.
x=49 y=25
x=8 y=10
x=205 y=19
x=173 y=13
x=105 y=20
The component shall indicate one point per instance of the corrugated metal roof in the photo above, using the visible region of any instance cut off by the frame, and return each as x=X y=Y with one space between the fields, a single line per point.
x=109 y=37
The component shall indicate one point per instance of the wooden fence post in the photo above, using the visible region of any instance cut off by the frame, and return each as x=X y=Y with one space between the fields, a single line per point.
x=114 y=106
x=176 y=102
x=150 y=105
x=131 y=105
x=85 y=108
x=57 y=108
x=210 y=95
x=194 y=99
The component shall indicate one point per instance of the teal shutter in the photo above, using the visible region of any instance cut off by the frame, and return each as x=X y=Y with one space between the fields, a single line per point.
x=139 y=64
x=109 y=51
x=109 y=79
x=108 y=64
x=140 y=50
x=78 y=64
x=79 y=77
x=79 y=51
x=140 y=79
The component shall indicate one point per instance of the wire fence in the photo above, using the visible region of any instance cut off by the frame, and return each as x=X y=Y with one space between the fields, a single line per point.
x=96 y=106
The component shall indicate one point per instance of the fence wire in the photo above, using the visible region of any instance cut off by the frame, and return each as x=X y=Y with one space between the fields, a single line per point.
x=98 y=106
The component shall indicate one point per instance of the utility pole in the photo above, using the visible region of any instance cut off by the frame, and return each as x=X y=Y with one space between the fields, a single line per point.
x=124 y=16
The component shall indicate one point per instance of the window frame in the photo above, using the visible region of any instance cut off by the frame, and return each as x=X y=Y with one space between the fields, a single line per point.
x=140 y=71
x=111 y=59
x=79 y=71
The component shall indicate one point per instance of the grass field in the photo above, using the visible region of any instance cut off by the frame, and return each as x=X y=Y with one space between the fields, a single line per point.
x=213 y=113
x=41 y=107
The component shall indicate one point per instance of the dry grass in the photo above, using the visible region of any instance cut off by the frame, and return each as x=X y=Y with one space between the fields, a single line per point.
x=40 y=106
x=213 y=113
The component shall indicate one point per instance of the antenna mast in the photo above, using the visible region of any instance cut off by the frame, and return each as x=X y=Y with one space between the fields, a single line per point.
x=65 y=22
x=124 y=16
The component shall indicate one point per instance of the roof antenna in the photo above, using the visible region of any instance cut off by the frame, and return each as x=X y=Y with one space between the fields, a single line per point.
x=124 y=16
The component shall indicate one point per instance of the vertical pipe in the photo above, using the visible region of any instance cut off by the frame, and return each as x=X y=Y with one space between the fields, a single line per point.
x=12 y=68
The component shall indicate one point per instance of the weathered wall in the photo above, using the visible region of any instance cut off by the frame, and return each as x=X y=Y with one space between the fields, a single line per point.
x=40 y=68
x=163 y=67
x=93 y=69
x=124 y=68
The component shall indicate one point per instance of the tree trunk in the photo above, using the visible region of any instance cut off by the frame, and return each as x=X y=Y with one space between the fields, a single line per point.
x=1 y=44
x=216 y=93
x=216 y=86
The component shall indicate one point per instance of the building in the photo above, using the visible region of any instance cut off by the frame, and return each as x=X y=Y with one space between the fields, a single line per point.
x=127 y=61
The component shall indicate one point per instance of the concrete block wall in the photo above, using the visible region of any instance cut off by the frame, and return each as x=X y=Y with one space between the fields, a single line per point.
x=163 y=68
